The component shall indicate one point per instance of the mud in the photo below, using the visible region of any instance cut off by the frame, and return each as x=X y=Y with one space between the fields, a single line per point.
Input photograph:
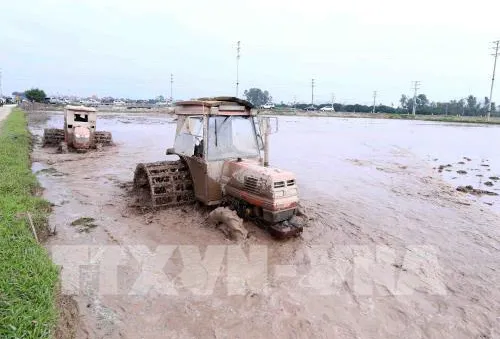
x=476 y=191
x=229 y=223
x=68 y=323
x=84 y=224
x=365 y=185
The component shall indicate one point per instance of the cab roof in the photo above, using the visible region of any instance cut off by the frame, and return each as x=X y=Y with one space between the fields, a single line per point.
x=214 y=106
x=80 y=108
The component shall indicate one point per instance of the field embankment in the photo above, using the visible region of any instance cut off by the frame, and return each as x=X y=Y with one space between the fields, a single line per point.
x=28 y=279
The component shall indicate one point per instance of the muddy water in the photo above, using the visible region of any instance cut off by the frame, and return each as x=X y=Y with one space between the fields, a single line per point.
x=392 y=249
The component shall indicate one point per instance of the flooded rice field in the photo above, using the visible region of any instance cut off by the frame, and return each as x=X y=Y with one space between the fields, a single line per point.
x=392 y=249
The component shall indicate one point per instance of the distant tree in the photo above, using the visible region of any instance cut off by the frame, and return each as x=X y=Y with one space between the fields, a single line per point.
x=454 y=108
x=486 y=106
x=257 y=97
x=357 y=108
x=338 y=107
x=404 y=102
x=422 y=100
x=385 y=109
x=409 y=105
x=461 y=104
x=423 y=104
x=440 y=108
x=471 y=105
x=35 y=94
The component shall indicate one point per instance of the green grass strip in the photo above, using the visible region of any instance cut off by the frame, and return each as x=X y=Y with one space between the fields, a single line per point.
x=28 y=279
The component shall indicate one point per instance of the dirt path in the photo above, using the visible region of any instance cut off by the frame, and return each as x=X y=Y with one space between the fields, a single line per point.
x=390 y=254
x=5 y=110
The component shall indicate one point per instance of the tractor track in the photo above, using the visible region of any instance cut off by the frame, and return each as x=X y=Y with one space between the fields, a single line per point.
x=164 y=183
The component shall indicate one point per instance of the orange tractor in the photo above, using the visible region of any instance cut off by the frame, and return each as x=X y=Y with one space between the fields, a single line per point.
x=219 y=144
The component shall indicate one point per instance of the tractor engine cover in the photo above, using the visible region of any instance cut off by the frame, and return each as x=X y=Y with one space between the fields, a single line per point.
x=273 y=192
x=81 y=137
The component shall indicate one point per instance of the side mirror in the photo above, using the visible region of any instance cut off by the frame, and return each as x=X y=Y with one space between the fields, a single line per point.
x=170 y=151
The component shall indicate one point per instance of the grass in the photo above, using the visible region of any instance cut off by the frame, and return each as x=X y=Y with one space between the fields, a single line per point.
x=28 y=279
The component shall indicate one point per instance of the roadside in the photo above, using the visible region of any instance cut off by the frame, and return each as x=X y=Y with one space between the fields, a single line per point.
x=28 y=279
x=5 y=110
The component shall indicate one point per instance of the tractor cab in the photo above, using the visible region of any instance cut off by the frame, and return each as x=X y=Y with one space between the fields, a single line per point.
x=211 y=132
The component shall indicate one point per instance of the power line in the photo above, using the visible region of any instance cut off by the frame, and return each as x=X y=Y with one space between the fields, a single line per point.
x=312 y=92
x=416 y=85
x=374 y=99
x=237 y=68
x=496 y=43
x=171 y=87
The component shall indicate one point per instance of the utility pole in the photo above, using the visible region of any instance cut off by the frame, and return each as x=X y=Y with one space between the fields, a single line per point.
x=333 y=99
x=416 y=85
x=237 y=68
x=312 y=92
x=171 y=88
x=374 y=100
x=495 y=47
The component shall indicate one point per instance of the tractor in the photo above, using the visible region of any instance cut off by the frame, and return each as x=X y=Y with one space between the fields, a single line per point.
x=79 y=131
x=219 y=145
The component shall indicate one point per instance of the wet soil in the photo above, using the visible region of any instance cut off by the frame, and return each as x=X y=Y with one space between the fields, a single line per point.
x=366 y=189
x=475 y=191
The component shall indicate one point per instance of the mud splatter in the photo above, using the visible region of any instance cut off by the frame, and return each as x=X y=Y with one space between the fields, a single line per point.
x=84 y=224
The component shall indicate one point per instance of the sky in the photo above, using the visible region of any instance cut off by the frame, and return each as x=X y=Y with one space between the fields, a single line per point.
x=124 y=48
